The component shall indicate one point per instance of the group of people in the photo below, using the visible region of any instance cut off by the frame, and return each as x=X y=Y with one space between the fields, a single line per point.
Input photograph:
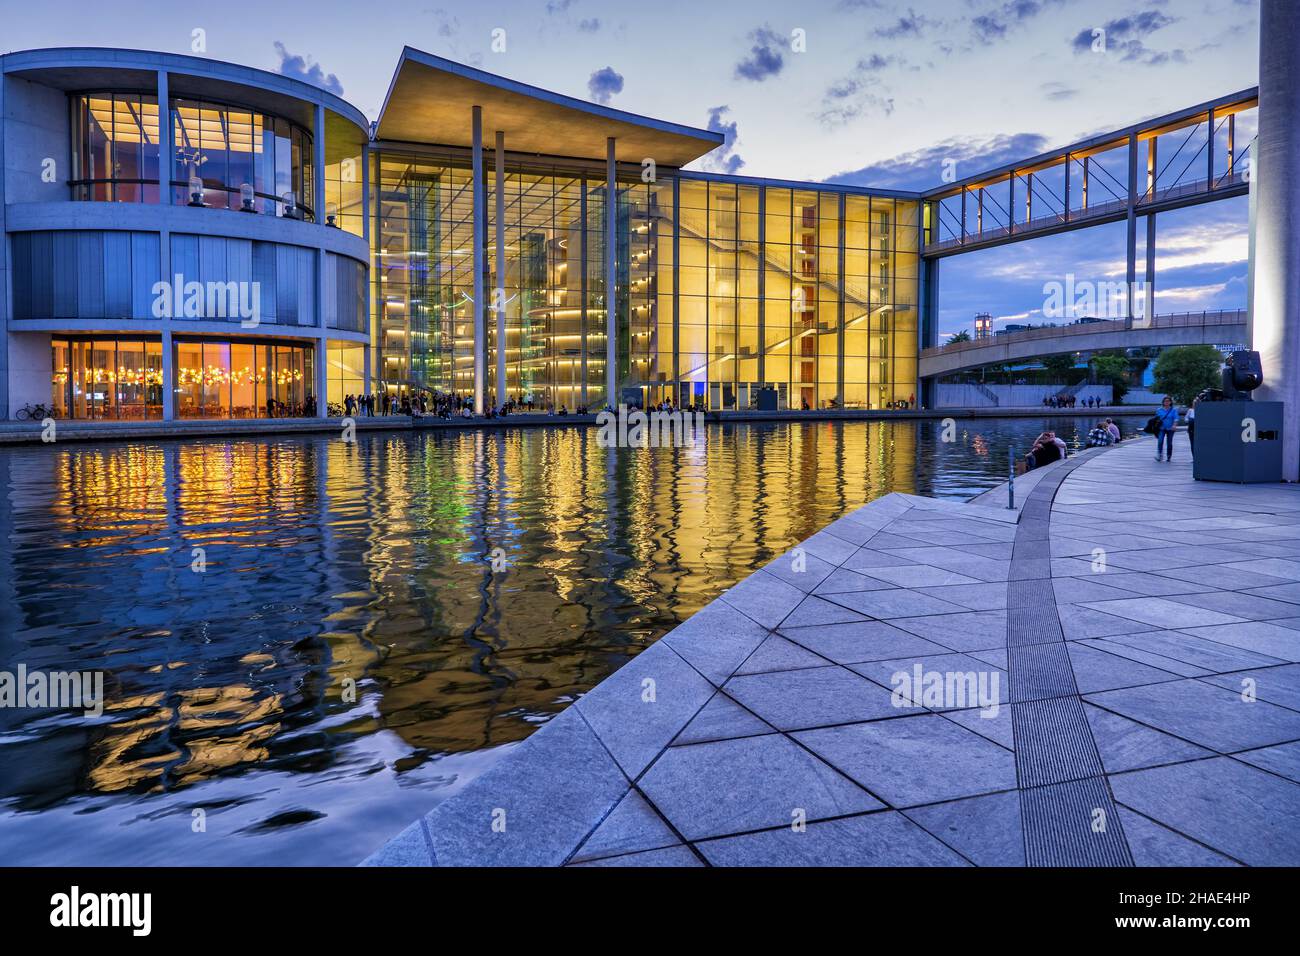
x=1047 y=449
x=1069 y=401
x=1104 y=433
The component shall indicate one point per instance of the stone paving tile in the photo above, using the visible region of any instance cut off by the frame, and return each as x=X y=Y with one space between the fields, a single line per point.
x=1163 y=613
x=915 y=760
x=960 y=631
x=778 y=654
x=1240 y=811
x=1210 y=716
x=1221 y=577
x=877 y=839
x=1177 y=646
x=631 y=827
x=1281 y=759
x=843 y=579
x=1079 y=622
x=995 y=728
x=830 y=548
x=1153 y=585
x=1080 y=590
x=639 y=708
x=668 y=856
x=554 y=788
x=802 y=570
x=813 y=611
x=764 y=598
x=408 y=848
x=893 y=603
x=918 y=576
x=976 y=597
x=1274 y=567
x=814 y=697
x=1127 y=745
x=986 y=830
x=1277 y=685
x=722 y=719
x=1096 y=670
x=1154 y=845
x=1247 y=607
x=858 y=642
x=866 y=558
x=716 y=640
x=733 y=786
x=1261 y=637
x=1280 y=592
x=969 y=692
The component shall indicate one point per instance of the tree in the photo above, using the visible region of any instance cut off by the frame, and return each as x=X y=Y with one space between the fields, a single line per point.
x=1181 y=372
x=962 y=336
x=1059 y=367
x=1112 y=370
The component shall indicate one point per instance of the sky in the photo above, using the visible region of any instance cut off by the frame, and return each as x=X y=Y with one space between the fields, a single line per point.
x=872 y=92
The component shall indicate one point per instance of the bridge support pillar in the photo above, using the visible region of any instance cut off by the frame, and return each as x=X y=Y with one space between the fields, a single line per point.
x=1274 y=322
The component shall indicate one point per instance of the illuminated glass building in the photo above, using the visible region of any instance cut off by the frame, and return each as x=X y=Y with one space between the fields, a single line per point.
x=267 y=250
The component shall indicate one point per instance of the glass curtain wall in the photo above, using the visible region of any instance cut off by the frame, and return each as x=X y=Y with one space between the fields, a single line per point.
x=811 y=293
x=220 y=379
x=116 y=153
x=106 y=377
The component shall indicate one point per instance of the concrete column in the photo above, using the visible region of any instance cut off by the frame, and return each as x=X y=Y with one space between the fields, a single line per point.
x=677 y=285
x=762 y=285
x=169 y=376
x=322 y=376
x=611 y=275
x=499 y=296
x=318 y=163
x=1131 y=274
x=1274 y=320
x=164 y=140
x=1150 y=290
x=480 y=240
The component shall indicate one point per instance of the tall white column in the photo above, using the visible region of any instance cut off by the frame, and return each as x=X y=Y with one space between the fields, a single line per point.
x=611 y=275
x=1274 y=319
x=499 y=294
x=480 y=240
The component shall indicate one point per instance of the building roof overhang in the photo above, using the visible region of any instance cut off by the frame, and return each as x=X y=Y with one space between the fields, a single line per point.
x=431 y=100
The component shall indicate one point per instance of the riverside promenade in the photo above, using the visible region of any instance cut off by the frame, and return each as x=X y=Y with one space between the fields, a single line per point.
x=1106 y=676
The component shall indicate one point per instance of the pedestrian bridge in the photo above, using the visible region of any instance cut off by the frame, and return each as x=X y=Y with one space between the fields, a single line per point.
x=1185 y=328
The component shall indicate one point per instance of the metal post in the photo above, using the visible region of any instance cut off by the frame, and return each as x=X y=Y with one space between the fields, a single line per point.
x=480 y=240
x=1011 y=478
x=499 y=294
x=1209 y=150
x=1067 y=187
x=611 y=275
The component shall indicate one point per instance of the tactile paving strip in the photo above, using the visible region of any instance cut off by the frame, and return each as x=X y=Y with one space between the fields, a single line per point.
x=1069 y=816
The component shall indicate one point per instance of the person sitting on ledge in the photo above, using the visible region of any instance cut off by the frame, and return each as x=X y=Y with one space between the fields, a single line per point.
x=1044 y=452
x=1100 y=436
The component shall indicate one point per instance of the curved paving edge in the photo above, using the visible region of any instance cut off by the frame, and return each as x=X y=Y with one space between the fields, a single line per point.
x=763 y=731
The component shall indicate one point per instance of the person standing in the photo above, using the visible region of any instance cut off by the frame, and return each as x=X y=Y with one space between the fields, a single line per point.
x=1167 y=420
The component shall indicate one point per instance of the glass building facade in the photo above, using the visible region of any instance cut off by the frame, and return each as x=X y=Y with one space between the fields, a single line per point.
x=723 y=287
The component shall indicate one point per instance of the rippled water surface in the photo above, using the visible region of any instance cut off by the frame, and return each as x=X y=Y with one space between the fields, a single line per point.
x=369 y=566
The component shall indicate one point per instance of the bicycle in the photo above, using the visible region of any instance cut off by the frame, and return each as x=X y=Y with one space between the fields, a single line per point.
x=34 y=413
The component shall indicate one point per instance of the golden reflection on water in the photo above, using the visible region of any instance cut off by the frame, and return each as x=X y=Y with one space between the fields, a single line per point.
x=328 y=563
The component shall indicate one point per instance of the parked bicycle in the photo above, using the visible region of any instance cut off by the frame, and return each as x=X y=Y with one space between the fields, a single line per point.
x=34 y=413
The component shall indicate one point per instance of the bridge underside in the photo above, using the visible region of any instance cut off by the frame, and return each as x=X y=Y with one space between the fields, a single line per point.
x=1196 y=329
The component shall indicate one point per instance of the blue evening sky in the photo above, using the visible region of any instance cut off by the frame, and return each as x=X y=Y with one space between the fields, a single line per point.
x=883 y=92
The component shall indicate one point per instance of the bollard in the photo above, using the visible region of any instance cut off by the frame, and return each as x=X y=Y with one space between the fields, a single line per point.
x=1011 y=479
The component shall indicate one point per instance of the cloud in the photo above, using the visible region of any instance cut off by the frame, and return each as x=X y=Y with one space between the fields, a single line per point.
x=1058 y=91
x=448 y=25
x=589 y=24
x=910 y=24
x=299 y=68
x=604 y=84
x=1125 y=36
x=998 y=22
x=723 y=159
x=924 y=168
x=861 y=91
x=765 y=56
x=557 y=6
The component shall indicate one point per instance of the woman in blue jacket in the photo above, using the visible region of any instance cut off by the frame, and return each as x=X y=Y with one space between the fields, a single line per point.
x=1168 y=418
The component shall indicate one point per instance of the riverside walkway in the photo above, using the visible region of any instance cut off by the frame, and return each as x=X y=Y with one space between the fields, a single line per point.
x=1127 y=642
